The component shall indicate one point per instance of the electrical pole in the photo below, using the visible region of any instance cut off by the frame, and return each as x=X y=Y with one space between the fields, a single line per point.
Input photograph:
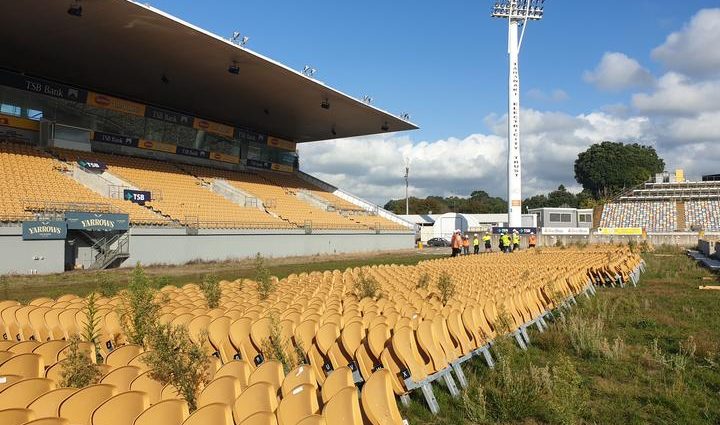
x=517 y=12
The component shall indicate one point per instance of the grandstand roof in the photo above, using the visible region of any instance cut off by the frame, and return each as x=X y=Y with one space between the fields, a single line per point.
x=126 y=49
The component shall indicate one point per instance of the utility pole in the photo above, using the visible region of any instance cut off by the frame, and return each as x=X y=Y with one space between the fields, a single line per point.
x=517 y=12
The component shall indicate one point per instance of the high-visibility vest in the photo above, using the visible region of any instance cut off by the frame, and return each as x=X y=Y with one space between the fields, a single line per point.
x=476 y=242
x=486 y=238
x=466 y=242
x=516 y=239
x=505 y=240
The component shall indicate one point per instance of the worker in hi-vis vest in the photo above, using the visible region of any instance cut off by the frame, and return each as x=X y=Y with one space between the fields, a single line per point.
x=516 y=240
x=487 y=239
x=476 y=244
x=506 y=243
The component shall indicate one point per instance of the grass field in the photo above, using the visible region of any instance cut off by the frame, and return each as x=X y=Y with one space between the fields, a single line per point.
x=645 y=355
x=24 y=288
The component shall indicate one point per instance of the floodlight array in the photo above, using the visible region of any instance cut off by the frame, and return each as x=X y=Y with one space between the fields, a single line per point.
x=519 y=9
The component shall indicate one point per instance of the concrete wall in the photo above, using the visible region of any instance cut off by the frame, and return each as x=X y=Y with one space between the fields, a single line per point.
x=174 y=246
x=29 y=257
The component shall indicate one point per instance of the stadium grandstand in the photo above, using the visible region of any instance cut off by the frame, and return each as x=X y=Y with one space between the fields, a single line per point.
x=145 y=153
x=667 y=203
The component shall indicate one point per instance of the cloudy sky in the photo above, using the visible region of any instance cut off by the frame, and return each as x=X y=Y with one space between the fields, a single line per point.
x=646 y=71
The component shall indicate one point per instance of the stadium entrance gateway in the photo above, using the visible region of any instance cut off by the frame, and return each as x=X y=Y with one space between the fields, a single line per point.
x=92 y=240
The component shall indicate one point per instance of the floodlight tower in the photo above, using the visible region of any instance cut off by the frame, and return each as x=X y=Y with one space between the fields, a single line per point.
x=517 y=12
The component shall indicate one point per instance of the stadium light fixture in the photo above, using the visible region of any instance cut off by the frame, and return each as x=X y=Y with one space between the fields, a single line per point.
x=385 y=126
x=75 y=9
x=332 y=131
x=405 y=116
x=309 y=71
x=517 y=12
x=325 y=104
x=367 y=99
x=234 y=68
x=239 y=39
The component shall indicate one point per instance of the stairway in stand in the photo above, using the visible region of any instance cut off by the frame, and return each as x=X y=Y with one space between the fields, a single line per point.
x=681 y=222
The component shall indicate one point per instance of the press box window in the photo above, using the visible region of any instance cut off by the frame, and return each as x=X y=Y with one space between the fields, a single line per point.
x=560 y=218
x=584 y=218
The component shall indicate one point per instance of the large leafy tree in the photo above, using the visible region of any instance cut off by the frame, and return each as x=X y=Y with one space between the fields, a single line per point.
x=606 y=168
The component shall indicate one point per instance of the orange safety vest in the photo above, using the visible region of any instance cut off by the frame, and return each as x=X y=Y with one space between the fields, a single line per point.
x=532 y=240
x=466 y=242
x=455 y=241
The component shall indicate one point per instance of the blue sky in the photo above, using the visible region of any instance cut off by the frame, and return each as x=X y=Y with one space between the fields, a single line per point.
x=445 y=63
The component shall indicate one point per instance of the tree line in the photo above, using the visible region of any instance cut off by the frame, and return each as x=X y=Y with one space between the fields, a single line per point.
x=604 y=171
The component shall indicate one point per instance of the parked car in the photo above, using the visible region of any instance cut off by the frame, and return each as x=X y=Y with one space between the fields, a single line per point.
x=438 y=242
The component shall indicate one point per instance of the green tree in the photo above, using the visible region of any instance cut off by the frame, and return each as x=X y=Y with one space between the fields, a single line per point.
x=561 y=198
x=609 y=167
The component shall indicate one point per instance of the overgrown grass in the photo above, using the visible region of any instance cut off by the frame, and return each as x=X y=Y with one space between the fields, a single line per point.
x=645 y=355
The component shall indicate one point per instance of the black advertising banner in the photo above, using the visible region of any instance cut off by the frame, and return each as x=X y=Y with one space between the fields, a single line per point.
x=245 y=135
x=137 y=196
x=521 y=230
x=44 y=230
x=115 y=139
x=259 y=164
x=41 y=86
x=92 y=165
x=195 y=153
x=96 y=221
x=168 y=116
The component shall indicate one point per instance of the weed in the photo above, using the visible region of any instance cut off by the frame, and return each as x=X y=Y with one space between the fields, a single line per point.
x=265 y=284
x=90 y=331
x=586 y=334
x=139 y=312
x=161 y=281
x=617 y=350
x=175 y=359
x=473 y=403
x=366 y=286
x=106 y=286
x=423 y=281
x=210 y=287
x=278 y=348
x=446 y=287
x=77 y=369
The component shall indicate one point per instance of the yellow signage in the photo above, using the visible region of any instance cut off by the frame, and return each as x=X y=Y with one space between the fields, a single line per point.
x=281 y=144
x=214 y=127
x=157 y=146
x=282 y=167
x=115 y=104
x=218 y=156
x=15 y=122
x=625 y=231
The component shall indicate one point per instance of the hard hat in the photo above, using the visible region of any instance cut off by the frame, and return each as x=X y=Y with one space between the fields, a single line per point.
x=475 y=234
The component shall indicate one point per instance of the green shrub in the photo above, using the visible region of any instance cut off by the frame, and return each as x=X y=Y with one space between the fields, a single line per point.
x=473 y=404
x=366 y=286
x=139 y=312
x=174 y=358
x=78 y=370
x=265 y=284
x=423 y=281
x=446 y=287
x=90 y=331
x=210 y=287
x=585 y=334
x=106 y=286
x=160 y=281
x=276 y=347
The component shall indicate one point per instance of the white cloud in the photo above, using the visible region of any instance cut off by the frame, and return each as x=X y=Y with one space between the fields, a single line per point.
x=679 y=114
x=616 y=71
x=372 y=167
x=556 y=95
x=694 y=50
x=677 y=94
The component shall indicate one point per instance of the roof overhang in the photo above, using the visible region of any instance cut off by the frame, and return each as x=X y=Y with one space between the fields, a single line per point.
x=126 y=49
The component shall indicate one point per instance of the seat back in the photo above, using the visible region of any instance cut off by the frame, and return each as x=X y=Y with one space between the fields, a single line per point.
x=121 y=409
x=166 y=412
